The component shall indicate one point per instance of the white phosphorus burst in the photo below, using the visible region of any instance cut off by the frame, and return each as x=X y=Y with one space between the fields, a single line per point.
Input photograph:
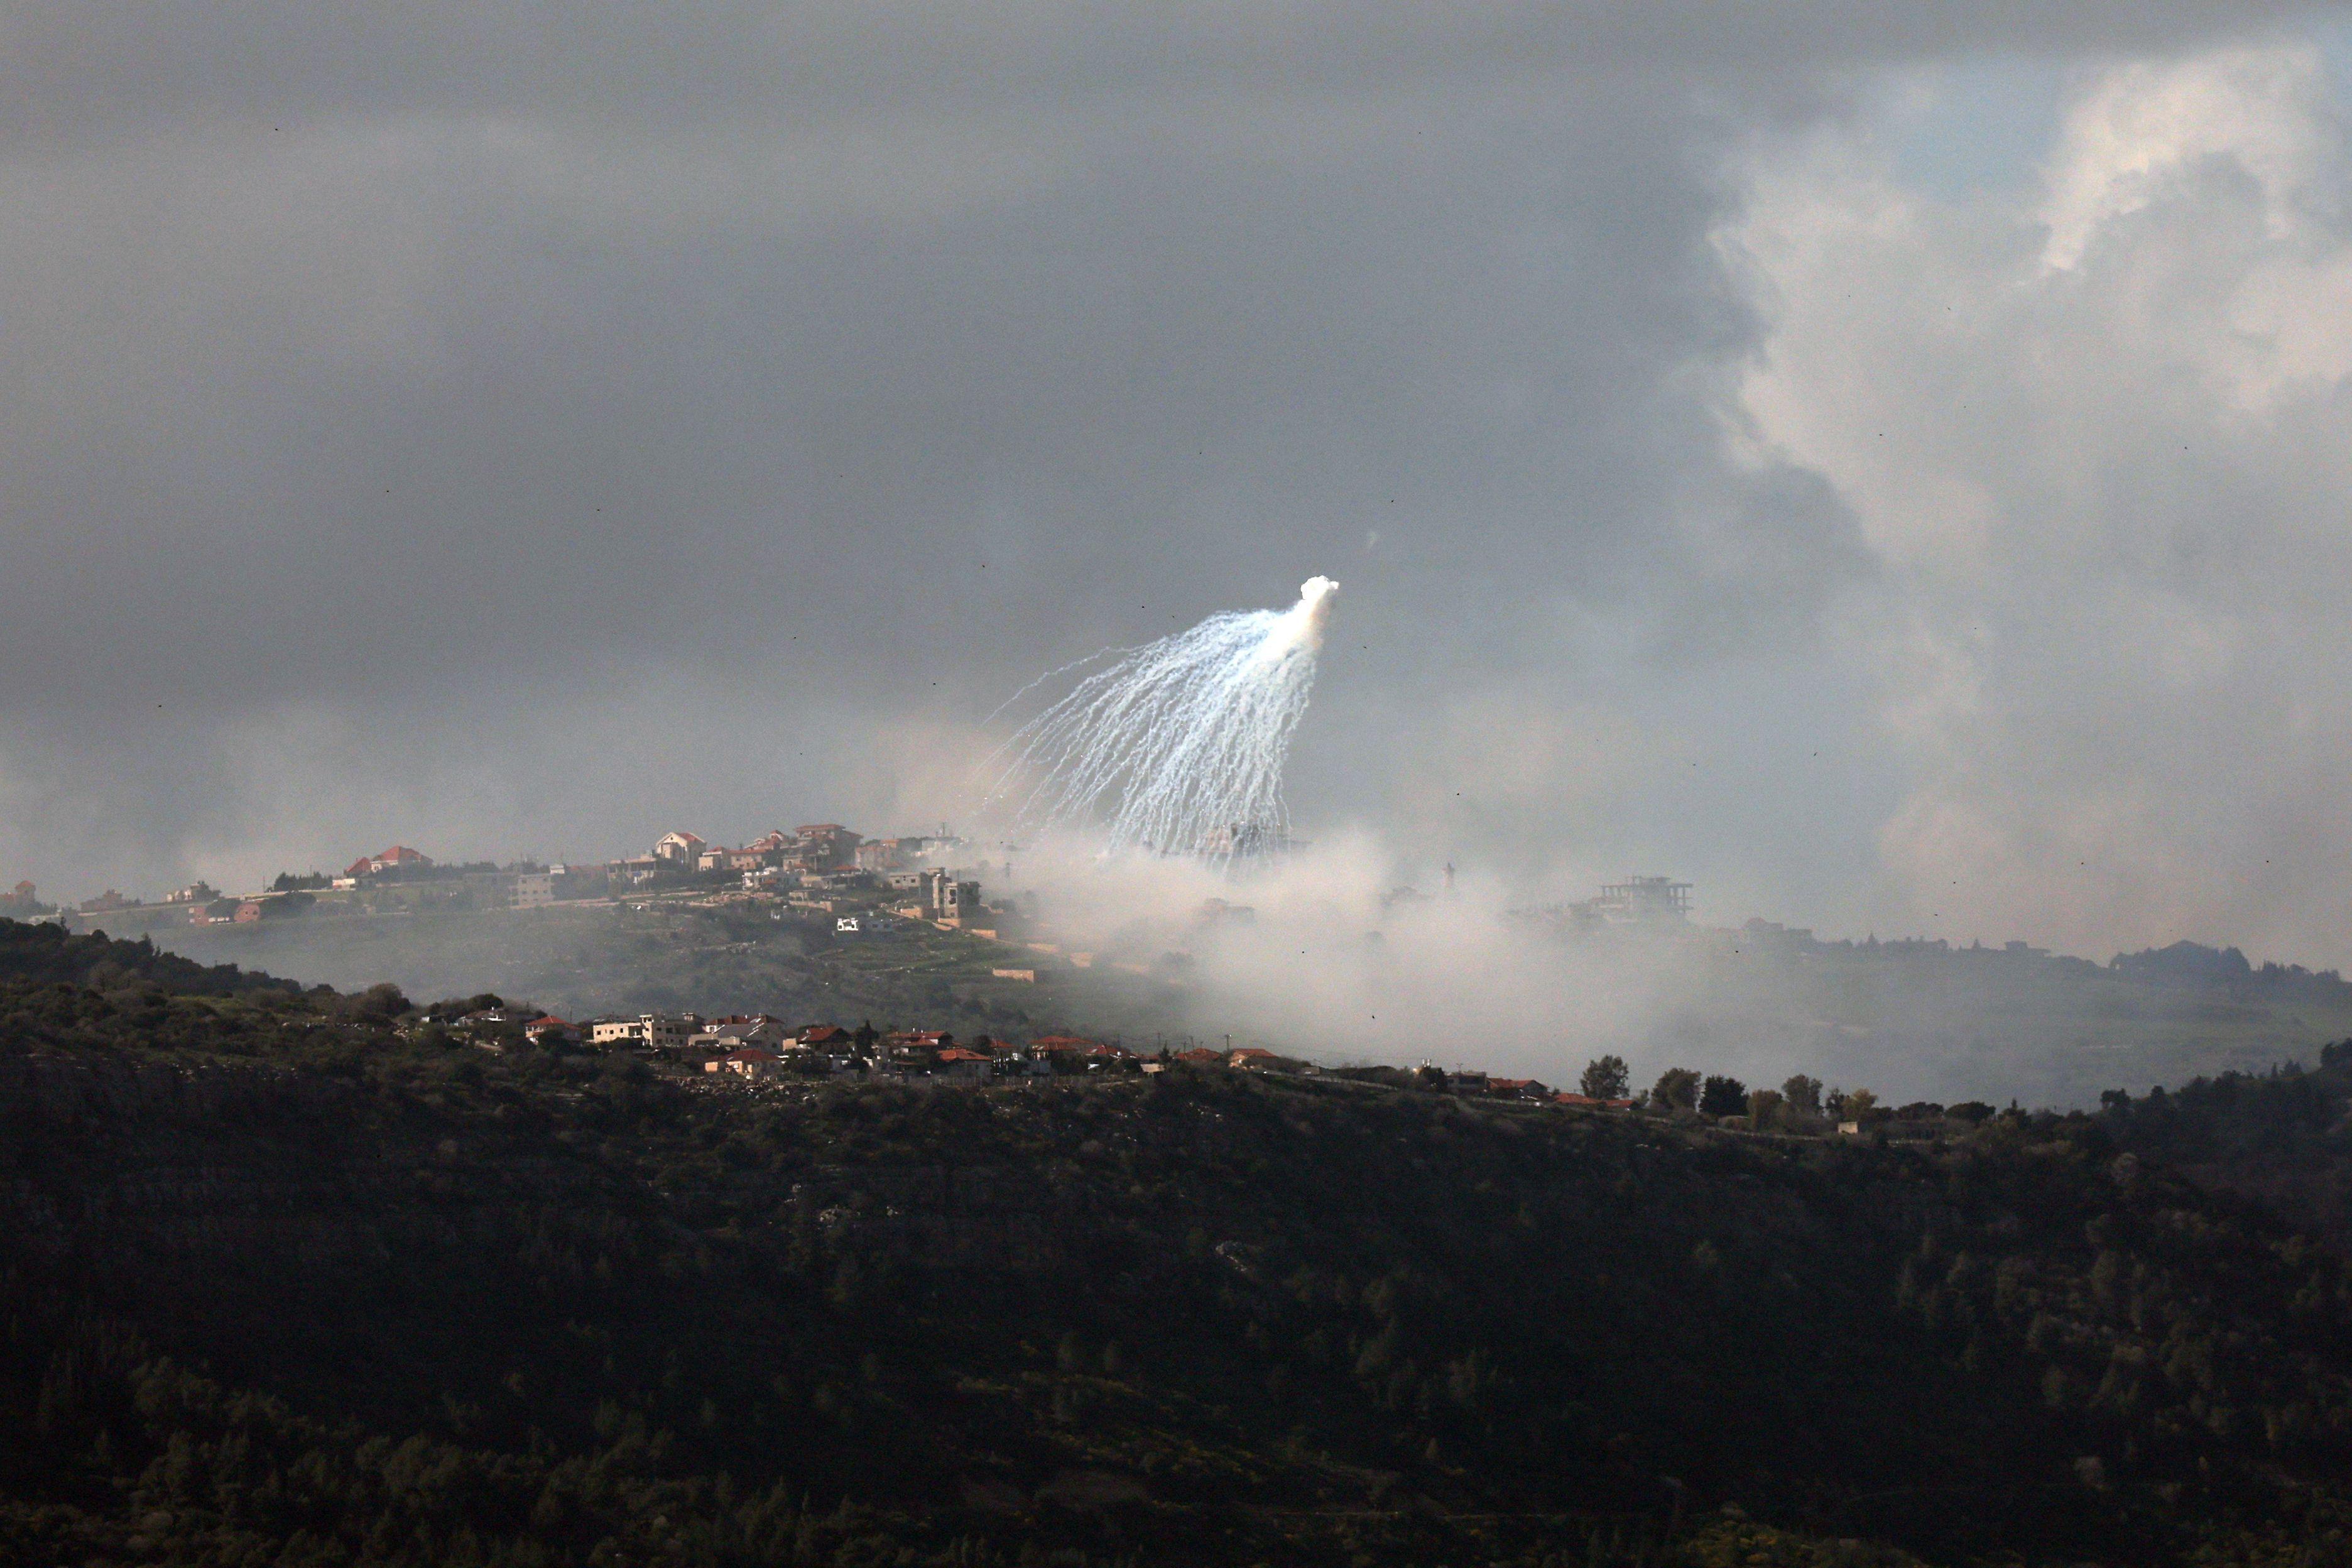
x=1178 y=746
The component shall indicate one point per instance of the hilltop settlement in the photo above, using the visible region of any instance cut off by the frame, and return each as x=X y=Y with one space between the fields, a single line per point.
x=817 y=867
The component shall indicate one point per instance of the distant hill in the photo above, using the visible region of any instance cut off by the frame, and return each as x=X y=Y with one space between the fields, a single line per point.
x=279 y=1283
x=2189 y=963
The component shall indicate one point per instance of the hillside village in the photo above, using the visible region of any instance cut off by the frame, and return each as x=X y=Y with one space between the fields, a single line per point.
x=857 y=887
x=813 y=867
x=751 y=1051
x=922 y=935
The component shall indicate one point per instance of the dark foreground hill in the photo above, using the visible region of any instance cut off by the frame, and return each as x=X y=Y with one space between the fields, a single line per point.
x=278 y=1285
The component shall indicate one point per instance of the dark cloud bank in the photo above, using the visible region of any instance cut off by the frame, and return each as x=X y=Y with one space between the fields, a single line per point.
x=508 y=431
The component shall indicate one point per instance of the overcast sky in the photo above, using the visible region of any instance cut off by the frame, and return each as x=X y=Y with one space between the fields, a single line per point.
x=1885 y=463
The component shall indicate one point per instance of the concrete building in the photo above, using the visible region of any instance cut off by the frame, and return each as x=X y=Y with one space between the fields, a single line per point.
x=948 y=902
x=739 y=1034
x=885 y=855
x=826 y=845
x=750 y=1062
x=1644 y=901
x=654 y=1031
x=679 y=851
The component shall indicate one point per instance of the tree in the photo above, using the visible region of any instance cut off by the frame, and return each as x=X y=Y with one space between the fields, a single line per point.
x=1763 y=1107
x=1604 y=1079
x=1803 y=1094
x=1851 y=1104
x=1676 y=1089
x=381 y=1000
x=1723 y=1096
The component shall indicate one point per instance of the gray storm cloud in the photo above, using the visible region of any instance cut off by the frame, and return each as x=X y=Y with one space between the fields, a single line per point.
x=2101 y=473
x=418 y=429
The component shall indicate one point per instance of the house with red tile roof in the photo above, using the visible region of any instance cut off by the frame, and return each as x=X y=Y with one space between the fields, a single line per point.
x=958 y=1065
x=399 y=857
x=680 y=849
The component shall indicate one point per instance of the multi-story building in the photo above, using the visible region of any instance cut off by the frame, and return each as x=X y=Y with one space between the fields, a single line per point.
x=654 y=1031
x=679 y=851
x=826 y=845
x=947 y=901
x=1644 y=901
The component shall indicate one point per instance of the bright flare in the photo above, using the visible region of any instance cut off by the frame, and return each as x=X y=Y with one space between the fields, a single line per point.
x=1179 y=745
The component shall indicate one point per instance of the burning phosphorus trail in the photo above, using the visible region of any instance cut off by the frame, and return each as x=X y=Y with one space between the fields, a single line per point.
x=1178 y=746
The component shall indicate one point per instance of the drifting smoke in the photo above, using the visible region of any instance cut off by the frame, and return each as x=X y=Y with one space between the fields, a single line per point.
x=1178 y=746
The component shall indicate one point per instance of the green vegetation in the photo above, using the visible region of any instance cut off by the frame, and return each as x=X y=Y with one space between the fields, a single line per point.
x=669 y=957
x=2284 y=1136
x=281 y=1283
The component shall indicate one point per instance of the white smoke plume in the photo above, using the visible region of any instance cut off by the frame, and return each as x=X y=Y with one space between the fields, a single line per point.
x=1178 y=746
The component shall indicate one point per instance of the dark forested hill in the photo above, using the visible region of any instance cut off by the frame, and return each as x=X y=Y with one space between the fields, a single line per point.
x=2285 y=1136
x=279 y=1284
x=43 y=953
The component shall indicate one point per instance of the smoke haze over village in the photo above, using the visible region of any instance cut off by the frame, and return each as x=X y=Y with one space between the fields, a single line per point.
x=1885 y=465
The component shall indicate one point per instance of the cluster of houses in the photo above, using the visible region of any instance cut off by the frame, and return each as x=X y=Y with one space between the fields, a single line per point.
x=811 y=865
x=757 y=1047
x=749 y=1048
x=1482 y=1086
